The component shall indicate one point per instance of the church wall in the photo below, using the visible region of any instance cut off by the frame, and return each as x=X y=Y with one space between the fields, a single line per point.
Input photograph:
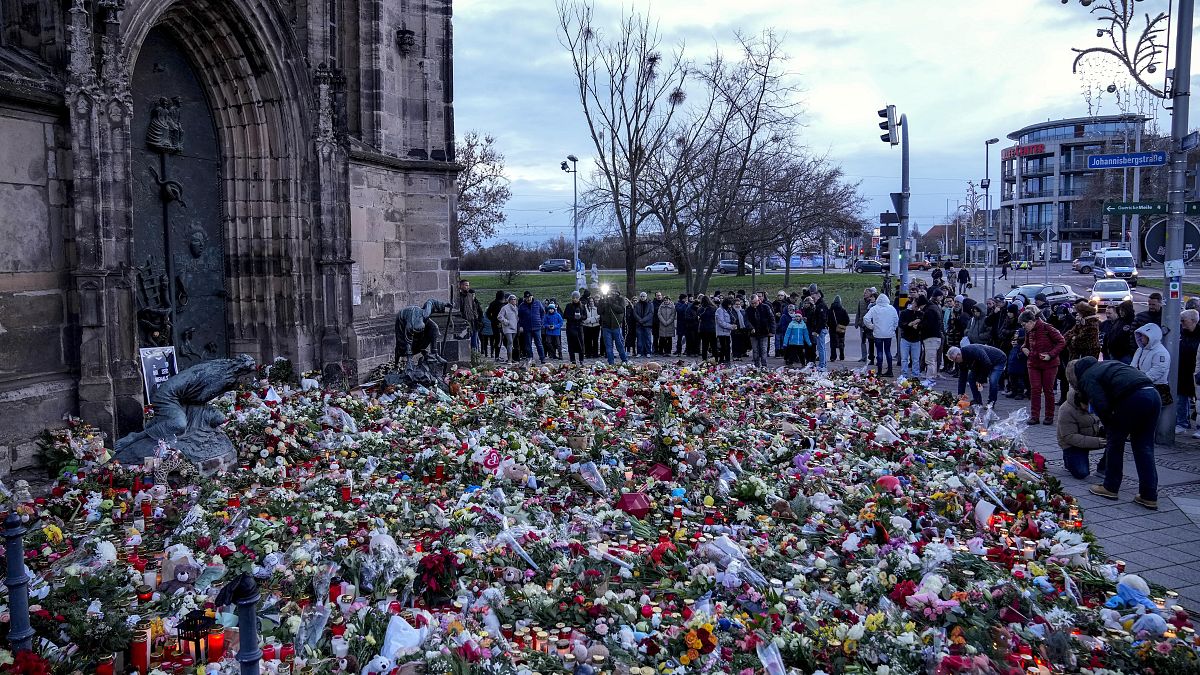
x=400 y=241
x=37 y=382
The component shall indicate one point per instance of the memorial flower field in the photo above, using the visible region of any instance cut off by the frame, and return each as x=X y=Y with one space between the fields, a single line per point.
x=658 y=519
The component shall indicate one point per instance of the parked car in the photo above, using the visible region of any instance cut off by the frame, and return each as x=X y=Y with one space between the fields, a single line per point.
x=922 y=265
x=1055 y=293
x=1115 y=263
x=1110 y=292
x=661 y=266
x=555 y=265
x=1023 y=264
x=731 y=267
x=1083 y=264
x=869 y=267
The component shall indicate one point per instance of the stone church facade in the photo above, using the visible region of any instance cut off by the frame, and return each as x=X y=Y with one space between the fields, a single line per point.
x=262 y=177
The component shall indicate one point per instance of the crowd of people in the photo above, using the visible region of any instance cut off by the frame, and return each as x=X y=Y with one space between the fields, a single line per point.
x=722 y=327
x=1076 y=367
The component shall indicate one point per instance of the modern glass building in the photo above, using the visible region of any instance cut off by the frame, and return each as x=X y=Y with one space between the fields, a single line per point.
x=1043 y=178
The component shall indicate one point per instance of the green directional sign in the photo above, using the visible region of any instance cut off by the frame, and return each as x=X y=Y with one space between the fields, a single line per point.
x=1144 y=208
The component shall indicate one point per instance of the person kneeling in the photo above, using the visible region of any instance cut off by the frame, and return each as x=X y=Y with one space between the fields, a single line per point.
x=1079 y=432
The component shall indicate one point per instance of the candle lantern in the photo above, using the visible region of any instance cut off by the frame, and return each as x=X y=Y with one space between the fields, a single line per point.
x=193 y=635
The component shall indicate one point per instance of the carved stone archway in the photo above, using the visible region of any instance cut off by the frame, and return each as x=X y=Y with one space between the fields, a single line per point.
x=283 y=188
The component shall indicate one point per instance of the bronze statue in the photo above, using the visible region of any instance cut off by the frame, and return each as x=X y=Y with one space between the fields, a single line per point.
x=184 y=421
x=416 y=333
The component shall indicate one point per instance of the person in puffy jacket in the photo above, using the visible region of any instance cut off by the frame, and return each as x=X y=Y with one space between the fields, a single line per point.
x=1042 y=346
x=883 y=321
x=1083 y=339
x=977 y=329
x=1127 y=403
x=797 y=341
x=1189 y=343
x=1079 y=431
x=553 y=331
x=531 y=321
x=839 y=321
x=1151 y=357
x=643 y=314
x=668 y=320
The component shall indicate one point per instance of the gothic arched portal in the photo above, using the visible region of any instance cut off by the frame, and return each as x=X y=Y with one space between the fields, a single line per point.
x=178 y=238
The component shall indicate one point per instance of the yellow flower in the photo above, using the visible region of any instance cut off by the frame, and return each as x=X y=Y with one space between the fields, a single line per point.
x=874 y=621
x=53 y=534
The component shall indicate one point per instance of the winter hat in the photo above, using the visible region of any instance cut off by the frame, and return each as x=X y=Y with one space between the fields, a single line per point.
x=959 y=298
x=1084 y=308
x=1028 y=315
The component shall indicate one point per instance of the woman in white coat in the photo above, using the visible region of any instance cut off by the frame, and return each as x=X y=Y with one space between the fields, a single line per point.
x=883 y=321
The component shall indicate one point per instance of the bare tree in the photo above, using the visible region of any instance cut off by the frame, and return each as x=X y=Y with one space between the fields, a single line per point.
x=482 y=192
x=629 y=92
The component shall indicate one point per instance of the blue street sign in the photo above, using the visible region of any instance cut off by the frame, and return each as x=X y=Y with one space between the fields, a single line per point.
x=1190 y=141
x=1127 y=160
x=976 y=242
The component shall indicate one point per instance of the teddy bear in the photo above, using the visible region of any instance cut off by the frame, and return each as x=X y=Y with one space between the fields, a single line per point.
x=379 y=665
x=185 y=576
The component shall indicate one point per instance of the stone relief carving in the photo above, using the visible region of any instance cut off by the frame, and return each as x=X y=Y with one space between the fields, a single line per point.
x=165 y=132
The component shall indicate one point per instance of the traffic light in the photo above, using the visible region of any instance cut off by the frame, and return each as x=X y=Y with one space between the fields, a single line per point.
x=889 y=125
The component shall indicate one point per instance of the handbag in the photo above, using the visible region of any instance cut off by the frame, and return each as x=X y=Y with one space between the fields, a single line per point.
x=1164 y=392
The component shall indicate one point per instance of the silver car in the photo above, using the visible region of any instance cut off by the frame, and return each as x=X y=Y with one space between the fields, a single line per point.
x=1110 y=292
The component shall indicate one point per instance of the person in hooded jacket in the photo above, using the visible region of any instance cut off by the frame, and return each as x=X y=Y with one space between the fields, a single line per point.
x=1189 y=342
x=931 y=336
x=977 y=330
x=1078 y=431
x=552 y=337
x=1128 y=404
x=1151 y=357
x=818 y=325
x=1118 y=341
x=531 y=319
x=883 y=321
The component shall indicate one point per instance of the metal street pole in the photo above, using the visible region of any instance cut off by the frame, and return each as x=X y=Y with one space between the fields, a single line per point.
x=990 y=272
x=1135 y=244
x=576 y=266
x=904 y=191
x=1176 y=205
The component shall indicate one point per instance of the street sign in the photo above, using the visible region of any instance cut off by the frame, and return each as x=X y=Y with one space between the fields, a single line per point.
x=889 y=231
x=977 y=242
x=1145 y=208
x=1190 y=141
x=1128 y=160
x=889 y=217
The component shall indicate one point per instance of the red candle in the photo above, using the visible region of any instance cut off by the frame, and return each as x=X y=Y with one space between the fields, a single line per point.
x=105 y=667
x=233 y=502
x=216 y=645
x=287 y=652
x=146 y=508
x=345 y=493
x=268 y=651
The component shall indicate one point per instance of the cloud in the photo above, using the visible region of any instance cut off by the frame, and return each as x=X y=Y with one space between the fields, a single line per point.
x=962 y=71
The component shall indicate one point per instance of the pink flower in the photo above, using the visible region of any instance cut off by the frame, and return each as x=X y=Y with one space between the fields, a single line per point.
x=1164 y=647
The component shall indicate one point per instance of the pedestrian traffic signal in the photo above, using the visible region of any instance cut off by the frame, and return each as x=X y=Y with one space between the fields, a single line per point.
x=889 y=125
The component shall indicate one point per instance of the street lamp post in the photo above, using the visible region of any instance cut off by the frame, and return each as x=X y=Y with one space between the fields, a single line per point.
x=574 y=171
x=987 y=205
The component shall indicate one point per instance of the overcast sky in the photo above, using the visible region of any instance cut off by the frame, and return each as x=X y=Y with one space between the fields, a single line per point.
x=964 y=71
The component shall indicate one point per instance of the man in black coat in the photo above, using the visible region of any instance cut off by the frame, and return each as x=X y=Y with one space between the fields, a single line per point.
x=1127 y=403
x=976 y=362
x=1152 y=313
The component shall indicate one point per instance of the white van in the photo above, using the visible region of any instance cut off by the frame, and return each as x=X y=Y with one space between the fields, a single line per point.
x=1115 y=263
